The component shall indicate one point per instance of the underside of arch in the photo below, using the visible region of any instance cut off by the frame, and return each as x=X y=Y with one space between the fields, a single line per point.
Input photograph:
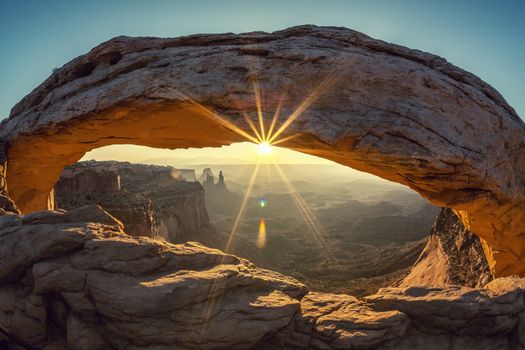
x=404 y=115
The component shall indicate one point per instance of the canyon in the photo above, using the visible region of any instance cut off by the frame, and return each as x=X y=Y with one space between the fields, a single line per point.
x=75 y=279
x=368 y=234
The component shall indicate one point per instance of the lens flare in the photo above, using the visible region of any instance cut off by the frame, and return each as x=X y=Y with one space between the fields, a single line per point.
x=264 y=139
x=261 y=237
x=242 y=208
x=264 y=148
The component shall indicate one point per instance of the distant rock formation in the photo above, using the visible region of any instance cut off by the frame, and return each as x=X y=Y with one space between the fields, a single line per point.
x=150 y=200
x=207 y=175
x=75 y=280
x=218 y=198
x=208 y=181
x=221 y=182
x=453 y=255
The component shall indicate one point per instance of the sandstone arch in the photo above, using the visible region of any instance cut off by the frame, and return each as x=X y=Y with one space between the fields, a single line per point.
x=402 y=114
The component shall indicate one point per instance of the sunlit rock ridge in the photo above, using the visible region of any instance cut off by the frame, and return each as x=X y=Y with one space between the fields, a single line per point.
x=453 y=255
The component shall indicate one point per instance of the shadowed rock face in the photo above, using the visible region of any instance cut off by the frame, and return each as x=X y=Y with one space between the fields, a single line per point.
x=402 y=114
x=75 y=280
x=453 y=255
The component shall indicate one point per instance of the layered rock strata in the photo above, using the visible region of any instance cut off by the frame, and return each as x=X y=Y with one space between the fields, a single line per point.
x=416 y=317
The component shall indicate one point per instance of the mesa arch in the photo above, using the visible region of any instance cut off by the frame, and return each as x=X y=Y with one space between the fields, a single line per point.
x=404 y=115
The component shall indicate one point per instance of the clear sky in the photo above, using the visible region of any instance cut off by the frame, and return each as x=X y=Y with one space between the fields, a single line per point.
x=484 y=37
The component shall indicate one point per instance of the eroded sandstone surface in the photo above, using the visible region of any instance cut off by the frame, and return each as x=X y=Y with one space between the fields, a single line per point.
x=75 y=280
x=453 y=255
x=405 y=115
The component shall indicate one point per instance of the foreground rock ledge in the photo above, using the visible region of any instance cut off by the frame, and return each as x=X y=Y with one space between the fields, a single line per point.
x=89 y=285
x=402 y=114
x=75 y=280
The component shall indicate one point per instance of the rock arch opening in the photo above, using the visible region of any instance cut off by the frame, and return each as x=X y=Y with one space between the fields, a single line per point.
x=401 y=114
x=333 y=228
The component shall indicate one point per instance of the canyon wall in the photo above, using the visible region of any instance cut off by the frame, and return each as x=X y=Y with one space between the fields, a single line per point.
x=453 y=255
x=3 y=169
x=6 y=204
x=153 y=201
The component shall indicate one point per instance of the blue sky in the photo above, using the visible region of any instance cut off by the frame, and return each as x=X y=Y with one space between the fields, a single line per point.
x=484 y=37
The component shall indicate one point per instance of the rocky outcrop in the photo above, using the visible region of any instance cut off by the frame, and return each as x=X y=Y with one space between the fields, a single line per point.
x=153 y=201
x=3 y=169
x=449 y=317
x=337 y=321
x=75 y=280
x=219 y=199
x=453 y=255
x=207 y=175
x=404 y=115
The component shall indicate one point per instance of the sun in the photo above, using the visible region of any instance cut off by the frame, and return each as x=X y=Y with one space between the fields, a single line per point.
x=264 y=148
